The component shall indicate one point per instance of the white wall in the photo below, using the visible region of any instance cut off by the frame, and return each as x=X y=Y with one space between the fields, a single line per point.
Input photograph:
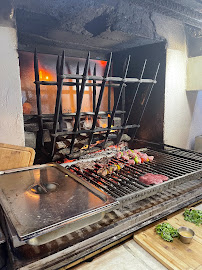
x=195 y=102
x=182 y=119
x=194 y=73
x=11 y=117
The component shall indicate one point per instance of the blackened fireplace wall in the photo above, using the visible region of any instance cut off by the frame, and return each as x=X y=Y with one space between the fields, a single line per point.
x=152 y=123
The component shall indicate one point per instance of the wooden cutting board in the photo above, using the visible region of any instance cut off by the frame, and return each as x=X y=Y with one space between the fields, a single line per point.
x=12 y=156
x=174 y=255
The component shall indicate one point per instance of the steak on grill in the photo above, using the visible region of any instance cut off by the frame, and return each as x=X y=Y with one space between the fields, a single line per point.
x=86 y=165
x=150 y=178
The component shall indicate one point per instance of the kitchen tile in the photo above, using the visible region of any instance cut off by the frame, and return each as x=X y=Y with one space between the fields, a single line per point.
x=123 y=257
x=198 y=207
x=143 y=255
x=126 y=256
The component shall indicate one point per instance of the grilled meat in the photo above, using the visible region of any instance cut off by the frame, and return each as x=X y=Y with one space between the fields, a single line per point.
x=106 y=166
x=103 y=171
x=103 y=162
x=137 y=156
x=150 y=178
x=86 y=165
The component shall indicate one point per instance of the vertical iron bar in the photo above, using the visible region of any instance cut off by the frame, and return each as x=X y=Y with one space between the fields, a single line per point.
x=131 y=106
x=78 y=112
x=58 y=101
x=123 y=104
x=145 y=105
x=106 y=73
x=94 y=89
x=77 y=87
x=38 y=99
x=109 y=98
x=60 y=113
x=122 y=85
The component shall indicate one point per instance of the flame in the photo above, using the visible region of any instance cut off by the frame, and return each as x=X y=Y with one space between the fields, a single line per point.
x=104 y=125
x=113 y=130
x=44 y=75
x=92 y=145
x=68 y=160
x=88 y=122
x=102 y=63
x=100 y=183
x=98 y=142
x=84 y=147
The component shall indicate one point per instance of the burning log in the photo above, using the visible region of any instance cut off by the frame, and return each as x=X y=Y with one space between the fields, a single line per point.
x=62 y=144
x=125 y=138
x=81 y=143
x=83 y=152
x=109 y=143
x=87 y=124
x=57 y=157
x=68 y=126
x=64 y=151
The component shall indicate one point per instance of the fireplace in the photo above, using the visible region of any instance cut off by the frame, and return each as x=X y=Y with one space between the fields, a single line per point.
x=47 y=72
x=118 y=103
x=134 y=26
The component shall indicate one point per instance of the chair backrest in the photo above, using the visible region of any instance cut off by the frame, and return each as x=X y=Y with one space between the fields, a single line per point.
x=12 y=156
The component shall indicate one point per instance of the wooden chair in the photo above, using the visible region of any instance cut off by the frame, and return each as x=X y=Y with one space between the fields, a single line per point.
x=12 y=156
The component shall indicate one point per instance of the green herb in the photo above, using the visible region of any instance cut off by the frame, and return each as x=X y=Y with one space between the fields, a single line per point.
x=166 y=231
x=194 y=216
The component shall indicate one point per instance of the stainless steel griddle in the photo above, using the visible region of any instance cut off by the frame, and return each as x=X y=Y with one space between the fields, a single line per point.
x=41 y=199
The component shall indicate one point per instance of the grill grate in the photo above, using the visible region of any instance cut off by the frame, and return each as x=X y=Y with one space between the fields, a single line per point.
x=178 y=165
x=184 y=153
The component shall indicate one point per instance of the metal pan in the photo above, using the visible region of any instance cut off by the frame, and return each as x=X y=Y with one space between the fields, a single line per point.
x=41 y=199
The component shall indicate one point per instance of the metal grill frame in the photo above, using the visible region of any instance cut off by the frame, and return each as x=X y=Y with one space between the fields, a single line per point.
x=148 y=191
x=100 y=235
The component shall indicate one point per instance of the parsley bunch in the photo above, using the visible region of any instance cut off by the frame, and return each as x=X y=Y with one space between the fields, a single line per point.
x=194 y=216
x=166 y=231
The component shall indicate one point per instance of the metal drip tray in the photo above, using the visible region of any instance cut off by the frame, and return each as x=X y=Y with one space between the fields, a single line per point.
x=40 y=199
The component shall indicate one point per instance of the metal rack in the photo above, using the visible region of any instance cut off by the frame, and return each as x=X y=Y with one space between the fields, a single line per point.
x=179 y=165
x=80 y=81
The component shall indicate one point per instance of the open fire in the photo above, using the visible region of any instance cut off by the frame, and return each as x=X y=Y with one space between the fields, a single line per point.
x=78 y=130
x=48 y=94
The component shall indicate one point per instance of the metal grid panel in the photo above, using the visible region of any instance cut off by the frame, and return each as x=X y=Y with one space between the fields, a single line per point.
x=124 y=185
